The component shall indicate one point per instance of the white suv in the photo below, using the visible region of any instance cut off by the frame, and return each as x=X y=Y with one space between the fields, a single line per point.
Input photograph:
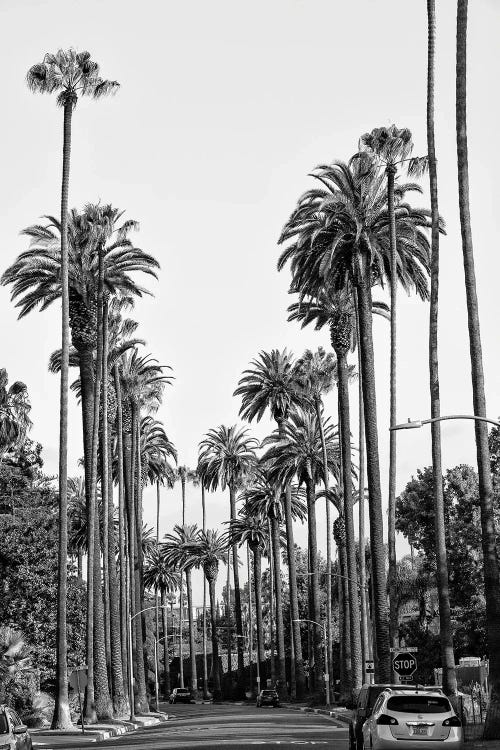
x=412 y=719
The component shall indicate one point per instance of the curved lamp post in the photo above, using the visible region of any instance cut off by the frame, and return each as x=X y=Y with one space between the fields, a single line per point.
x=415 y=424
x=131 y=659
x=327 y=676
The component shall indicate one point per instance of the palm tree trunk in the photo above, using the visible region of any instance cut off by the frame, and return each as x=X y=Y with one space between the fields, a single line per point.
x=347 y=683
x=205 y=660
x=192 y=645
x=79 y=562
x=62 y=716
x=271 y=607
x=391 y=525
x=445 y=626
x=142 y=696
x=294 y=598
x=488 y=533
x=250 y=621
x=237 y=604
x=383 y=662
x=257 y=582
x=157 y=613
x=314 y=578
x=105 y=487
x=361 y=512
x=352 y=574
x=215 y=643
x=166 y=660
x=103 y=705
x=129 y=498
x=228 y=628
x=121 y=532
x=329 y=667
x=278 y=596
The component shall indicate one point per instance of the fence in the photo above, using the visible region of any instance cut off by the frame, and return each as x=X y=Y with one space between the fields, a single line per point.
x=472 y=707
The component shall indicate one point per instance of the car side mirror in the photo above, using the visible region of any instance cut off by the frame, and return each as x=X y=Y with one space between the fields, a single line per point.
x=20 y=729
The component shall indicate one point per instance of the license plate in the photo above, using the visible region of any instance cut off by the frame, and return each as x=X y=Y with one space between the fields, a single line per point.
x=419 y=730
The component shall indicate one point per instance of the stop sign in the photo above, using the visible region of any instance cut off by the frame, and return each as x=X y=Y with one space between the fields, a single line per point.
x=404 y=664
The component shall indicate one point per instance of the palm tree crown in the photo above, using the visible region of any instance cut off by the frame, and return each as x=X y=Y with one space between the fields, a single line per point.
x=227 y=455
x=270 y=383
x=71 y=74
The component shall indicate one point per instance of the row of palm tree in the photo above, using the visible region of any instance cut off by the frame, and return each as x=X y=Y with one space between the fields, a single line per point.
x=353 y=231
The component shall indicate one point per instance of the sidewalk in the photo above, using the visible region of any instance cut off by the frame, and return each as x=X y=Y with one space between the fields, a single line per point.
x=94 y=733
x=340 y=714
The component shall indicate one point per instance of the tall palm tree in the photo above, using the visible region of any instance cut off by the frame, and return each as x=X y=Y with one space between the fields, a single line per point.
x=341 y=240
x=253 y=530
x=177 y=550
x=209 y=551
x=185 y=475
x=141 y=385
x=204 y=528
x=160 y=577
x=488 y=535
x=445 y=625
x=296 y=450
x=70 y=75
x=316 y=373
x=270 y=383
x=226 y=457
x=393 y=147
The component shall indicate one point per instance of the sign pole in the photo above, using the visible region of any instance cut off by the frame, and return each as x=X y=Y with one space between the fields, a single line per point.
x=80 y=700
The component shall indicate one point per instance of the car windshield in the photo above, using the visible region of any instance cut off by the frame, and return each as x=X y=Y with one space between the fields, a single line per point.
x=268 y=692
x=182 y=690
x=4 y=725
x=418 y=704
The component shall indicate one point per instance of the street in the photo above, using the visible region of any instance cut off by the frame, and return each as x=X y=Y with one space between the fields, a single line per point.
x=213 y=726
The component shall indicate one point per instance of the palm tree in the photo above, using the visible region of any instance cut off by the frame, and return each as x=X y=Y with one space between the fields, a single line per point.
x=177 y=549
x=253 y=530
x=490 y=557
x=393 y=147
x=204 y=528
x=316 y=373
x=271 y=384
x=445 y=625
x=209 y=551
x=227 y=456
x=158 y=575
x=141 y=385
x=296 y=450
x=341 y=233
x=185 y=475
x=70 y=75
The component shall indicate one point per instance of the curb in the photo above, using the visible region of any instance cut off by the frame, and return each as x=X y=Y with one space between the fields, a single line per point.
x=333 y=715
x=99 y=733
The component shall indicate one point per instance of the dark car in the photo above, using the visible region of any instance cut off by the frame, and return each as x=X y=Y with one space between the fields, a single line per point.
x=13 y=733
x=367 y=697
x=268 y=698
x=181 y=695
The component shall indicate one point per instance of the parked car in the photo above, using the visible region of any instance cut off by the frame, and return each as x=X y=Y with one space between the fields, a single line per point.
x=367 y=697
x=13 y=733
x=268 y=698
x=415 y=719
x=181 y=695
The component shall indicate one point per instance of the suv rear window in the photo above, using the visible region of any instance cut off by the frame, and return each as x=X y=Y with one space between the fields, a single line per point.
x=182 y=690
x=418 y=704
x=269 y=692
x=4 y=724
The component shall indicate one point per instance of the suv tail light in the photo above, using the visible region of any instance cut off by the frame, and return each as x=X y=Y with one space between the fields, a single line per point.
x=453 y=721
x=385 y=719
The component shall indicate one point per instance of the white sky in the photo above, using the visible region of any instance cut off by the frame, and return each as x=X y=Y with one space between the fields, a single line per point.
x=224 y=109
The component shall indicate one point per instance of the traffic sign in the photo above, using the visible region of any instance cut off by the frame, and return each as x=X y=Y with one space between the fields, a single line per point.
x=369 y=666
x=404 y=664
x=78 y=679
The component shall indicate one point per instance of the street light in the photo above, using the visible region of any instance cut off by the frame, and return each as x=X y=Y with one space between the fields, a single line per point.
x=131 y=660
x=327 y=676
x=415 y=424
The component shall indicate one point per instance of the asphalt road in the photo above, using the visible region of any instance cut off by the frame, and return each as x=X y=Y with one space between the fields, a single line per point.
x=232 y=726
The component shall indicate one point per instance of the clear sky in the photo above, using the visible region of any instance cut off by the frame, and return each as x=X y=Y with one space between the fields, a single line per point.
x=224 y=109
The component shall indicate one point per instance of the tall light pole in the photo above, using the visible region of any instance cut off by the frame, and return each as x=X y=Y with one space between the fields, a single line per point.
x=327 y=676
x=131 y=659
